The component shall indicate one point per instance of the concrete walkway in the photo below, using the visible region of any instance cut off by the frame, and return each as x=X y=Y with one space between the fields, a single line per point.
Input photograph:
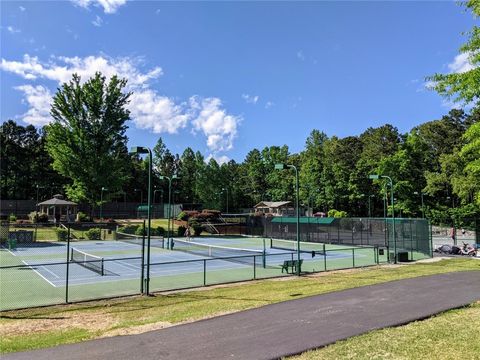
x=286 y=328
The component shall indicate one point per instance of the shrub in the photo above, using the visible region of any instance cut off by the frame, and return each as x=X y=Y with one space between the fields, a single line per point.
x=128 y=229
x=336 y=213
x=181 y=230
x=197 y=228
x=140 y=231
x=33 y=216
x=12 y=218
x=94 y=234
x=42 y=218
x=62 y=234
x=160 y=231
x=187 y=214
x=82 y=217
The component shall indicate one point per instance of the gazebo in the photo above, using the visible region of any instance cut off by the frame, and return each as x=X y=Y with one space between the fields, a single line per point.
x=58 y=209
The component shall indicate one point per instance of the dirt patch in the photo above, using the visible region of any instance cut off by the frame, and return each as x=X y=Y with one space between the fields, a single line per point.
x=134 y=330
x=84 y=320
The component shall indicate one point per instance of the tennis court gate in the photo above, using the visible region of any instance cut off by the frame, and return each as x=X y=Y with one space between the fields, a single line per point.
x=412 y=236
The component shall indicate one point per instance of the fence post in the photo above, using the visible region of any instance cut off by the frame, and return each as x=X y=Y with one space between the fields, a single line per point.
x=204 y=272
x=142 y=272
x=68 y=264
x=325 y=257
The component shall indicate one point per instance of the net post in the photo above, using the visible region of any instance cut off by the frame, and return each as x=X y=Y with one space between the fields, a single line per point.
x=353 y=257
x=103 y=267
x=254 y=267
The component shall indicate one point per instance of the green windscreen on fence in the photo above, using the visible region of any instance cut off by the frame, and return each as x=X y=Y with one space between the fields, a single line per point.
x=411 y=235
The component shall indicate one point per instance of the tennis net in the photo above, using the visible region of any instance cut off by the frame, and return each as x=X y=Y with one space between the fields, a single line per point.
x=155 y=241
x=290 y=245
x=89 y=261
x=238 y=255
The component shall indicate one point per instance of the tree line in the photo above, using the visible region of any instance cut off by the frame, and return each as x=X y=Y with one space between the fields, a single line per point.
x=84 y=150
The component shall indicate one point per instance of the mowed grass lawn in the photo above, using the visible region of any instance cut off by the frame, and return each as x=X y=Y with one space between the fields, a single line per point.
x=452 y=335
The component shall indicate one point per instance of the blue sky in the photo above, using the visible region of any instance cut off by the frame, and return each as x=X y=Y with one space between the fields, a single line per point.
x=225 y=77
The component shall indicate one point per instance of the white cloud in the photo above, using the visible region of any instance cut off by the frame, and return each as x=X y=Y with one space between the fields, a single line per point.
x=98 y=21
x=269 y=104
x=219 y=127
x=300 y=55
x=109 y=6
x=461 y=63
x=158 y=11
x=39 y=99
x=12 y=30
x=149 y=109
x=22 y=8
x=157 y=113
x=250 y=99
x=31 y=68
x=222 y=159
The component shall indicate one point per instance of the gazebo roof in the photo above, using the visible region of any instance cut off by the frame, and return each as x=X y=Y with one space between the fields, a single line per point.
x=57 y=202
x=272 y=204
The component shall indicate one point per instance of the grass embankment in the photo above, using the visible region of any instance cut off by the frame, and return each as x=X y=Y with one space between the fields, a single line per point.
x=452 y=335
x=44 y=327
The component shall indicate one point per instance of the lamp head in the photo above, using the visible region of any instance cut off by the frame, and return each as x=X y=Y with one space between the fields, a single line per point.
x=374 y=177
x=139 y=150
x=280 y=166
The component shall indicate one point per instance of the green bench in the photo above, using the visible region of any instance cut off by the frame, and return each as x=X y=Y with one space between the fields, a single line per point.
x=292 y=264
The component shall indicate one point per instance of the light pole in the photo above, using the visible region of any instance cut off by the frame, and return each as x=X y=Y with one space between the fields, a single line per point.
x=283 y=167
x=101 y=201
x=369 y=205
x=174 y=176
x=38 y=187
x=421 y=197
x=226 y=190
x=154 y=193
x=376 y=177
x=146 y=150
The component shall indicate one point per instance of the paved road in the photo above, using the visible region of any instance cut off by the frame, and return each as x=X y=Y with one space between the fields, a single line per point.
x=285 y=328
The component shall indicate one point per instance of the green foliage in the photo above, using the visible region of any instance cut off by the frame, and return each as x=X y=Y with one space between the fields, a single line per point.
x=87 y=137
x=197 y=228
x=337 y=214
x=183 y=216
x=94 y=234
x=62 y=234
x=128 y=229
x=181 y=230
x=140 y=231
x=12 y=217
x=37 y=217
x=160 y=231
x=82 y=217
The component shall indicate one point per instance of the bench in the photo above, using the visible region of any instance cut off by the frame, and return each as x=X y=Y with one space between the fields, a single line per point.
x=292 y=264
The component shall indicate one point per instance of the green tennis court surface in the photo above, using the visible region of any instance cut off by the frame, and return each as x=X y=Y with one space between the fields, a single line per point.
x=39 y=274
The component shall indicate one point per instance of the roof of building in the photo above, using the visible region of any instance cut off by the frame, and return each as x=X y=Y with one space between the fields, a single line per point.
x=56 y=201
x=272 y=204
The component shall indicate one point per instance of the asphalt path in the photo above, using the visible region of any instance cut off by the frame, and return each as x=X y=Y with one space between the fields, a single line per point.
x=286 y=328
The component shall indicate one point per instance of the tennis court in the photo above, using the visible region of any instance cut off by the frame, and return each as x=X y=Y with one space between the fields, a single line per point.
x=46 y=273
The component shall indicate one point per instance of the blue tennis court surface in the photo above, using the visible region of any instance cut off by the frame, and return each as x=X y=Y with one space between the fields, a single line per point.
x=123 y=261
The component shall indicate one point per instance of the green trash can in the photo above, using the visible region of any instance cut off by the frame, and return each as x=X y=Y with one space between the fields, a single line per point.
x=12 y=244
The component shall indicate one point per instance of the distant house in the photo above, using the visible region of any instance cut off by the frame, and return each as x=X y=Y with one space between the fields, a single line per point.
x=275 y=208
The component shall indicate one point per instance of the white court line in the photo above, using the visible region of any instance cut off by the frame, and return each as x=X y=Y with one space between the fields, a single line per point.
x=51 y=272
x=127 y=265
x=9 y=251
x=43 y=277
